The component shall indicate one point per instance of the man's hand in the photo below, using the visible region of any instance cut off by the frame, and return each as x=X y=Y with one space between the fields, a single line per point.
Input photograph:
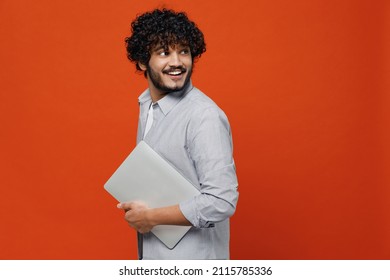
x=136 y=216
x=142 y=218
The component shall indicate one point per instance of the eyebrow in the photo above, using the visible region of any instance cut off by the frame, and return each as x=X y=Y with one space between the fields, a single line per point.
x=157 y=48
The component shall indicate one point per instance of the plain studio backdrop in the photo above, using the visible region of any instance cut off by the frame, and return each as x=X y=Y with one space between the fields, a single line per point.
x=305 y=85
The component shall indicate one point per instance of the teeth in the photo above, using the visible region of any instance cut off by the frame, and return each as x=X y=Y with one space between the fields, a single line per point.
x=175 y=73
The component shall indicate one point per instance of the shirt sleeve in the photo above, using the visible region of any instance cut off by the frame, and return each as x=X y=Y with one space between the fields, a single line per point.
x=211 y=149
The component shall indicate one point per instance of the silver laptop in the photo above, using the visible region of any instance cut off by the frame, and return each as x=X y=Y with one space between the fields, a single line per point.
x=145 y=176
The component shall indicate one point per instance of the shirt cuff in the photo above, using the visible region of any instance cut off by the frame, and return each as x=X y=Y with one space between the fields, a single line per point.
x=189 y=211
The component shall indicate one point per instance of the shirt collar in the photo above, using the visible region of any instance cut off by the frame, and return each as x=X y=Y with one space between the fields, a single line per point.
x=169 y=100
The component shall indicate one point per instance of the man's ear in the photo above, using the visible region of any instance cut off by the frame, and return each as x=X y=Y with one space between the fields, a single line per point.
x=142 y=66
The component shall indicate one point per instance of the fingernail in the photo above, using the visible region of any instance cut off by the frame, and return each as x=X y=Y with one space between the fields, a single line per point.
x=119 y=205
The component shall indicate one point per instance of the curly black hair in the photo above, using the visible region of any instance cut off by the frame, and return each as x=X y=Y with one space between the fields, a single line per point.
x=162 y=27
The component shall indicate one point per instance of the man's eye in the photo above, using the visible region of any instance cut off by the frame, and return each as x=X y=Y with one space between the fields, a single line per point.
x=163 y=53
x=185 y=51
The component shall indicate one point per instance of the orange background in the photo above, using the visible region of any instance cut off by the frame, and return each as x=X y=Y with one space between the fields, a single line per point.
x=305 y=85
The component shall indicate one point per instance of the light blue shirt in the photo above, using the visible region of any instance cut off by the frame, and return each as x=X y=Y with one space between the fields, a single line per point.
x=193 y=134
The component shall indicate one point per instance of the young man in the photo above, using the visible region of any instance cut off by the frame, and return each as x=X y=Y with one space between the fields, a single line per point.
x=190 y=131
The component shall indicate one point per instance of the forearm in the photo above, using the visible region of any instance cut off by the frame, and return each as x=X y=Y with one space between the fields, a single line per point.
x=170 y=215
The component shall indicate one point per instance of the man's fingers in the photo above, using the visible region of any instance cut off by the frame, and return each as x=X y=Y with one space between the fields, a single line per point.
x=130 y=205
x=135 y=215
x=125 y=205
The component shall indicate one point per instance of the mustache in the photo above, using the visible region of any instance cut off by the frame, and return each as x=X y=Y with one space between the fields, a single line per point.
x=171 y=69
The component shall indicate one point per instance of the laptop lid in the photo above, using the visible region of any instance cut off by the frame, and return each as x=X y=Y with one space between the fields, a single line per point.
x=145 y=176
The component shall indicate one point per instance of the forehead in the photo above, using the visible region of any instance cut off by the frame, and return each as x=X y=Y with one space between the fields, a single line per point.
x=168 y=47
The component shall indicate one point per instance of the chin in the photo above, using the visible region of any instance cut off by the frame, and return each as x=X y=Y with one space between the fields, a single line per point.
x=174 y=87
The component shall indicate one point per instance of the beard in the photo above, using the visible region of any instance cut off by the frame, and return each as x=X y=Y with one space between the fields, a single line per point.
x=159 y=84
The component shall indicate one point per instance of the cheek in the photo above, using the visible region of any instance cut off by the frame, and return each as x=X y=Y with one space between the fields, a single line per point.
x=188 y=61
x=189 y=64
x=157 y=64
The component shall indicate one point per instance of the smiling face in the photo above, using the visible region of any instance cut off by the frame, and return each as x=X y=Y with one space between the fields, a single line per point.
x=169 y=69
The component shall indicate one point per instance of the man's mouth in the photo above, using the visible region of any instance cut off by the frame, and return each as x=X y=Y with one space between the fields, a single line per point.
x=175 y=72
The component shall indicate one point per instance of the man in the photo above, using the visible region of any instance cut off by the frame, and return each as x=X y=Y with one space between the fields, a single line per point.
x=189 y=131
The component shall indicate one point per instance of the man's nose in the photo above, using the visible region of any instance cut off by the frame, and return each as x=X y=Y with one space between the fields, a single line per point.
x=175 y=59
